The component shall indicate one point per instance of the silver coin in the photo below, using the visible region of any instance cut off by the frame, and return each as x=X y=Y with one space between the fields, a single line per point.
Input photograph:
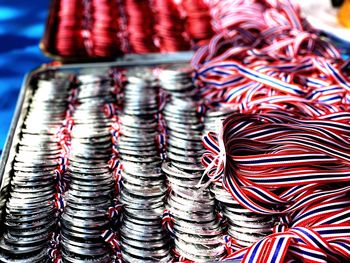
x=199 y=252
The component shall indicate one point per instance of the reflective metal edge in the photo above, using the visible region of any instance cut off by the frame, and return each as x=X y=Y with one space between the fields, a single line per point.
x=24 y=97
x=12 y=141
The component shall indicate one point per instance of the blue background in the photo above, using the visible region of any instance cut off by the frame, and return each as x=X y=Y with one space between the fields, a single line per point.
x=22 y=24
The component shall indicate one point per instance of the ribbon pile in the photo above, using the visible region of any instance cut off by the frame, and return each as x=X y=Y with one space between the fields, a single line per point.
x=318 y=233
x=285 y=152
x=110 y=28
x=272 y=152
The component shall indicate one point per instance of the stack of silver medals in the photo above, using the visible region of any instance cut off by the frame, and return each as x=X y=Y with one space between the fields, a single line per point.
x=30 y=211
x=90 y=182
x=243 y=226
x=197 y=233
x=143 y=183
x=149 y=185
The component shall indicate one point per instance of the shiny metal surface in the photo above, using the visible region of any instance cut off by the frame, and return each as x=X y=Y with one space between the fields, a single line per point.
x=134 y=178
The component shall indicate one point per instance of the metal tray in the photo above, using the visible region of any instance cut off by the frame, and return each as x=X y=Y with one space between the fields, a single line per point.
x=25 y=96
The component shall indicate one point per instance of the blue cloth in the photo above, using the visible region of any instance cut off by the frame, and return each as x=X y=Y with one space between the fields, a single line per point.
x=22 y=24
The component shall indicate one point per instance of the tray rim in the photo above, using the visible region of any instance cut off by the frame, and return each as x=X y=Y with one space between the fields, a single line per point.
x=132 y=60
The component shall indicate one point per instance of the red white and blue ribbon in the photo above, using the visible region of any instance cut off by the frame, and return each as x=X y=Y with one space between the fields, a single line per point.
x=110 y=237
x=110 y=110
x=261 y=153
x=168 y=222
x=317 y=233
x=117 y=175
x=60 y=203
x=115 y=212
x=53 y=250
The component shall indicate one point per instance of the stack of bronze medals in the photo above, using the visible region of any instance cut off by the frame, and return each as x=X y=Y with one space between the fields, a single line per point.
x=143 y=185
x=196 y=230
x=30 y=210
x=89 y=180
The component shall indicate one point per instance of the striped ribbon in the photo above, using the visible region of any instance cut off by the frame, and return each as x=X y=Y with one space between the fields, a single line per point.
x=60 y=183
x=60 y=203
x=243 y=69
x=286 y=150
x=114 y=162
x=111 y=238
x=326 y=238
x=114 y=212
x=301 y=159
x=117 y=175
x=62 y=162
x=110 y=110
x=168 y=222
x=53 y=250
x=262 y=154
x=161 y=136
